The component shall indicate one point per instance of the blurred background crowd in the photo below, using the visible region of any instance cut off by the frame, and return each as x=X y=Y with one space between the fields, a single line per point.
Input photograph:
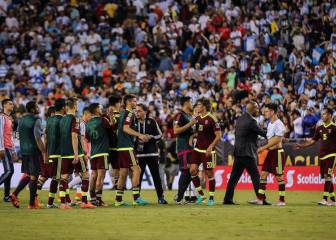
x=228 y=51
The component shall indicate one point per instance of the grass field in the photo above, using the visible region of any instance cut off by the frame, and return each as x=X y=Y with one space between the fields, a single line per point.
x=301 y=219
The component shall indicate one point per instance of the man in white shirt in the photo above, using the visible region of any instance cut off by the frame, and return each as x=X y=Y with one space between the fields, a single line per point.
x=297 y=123
x=275 y=160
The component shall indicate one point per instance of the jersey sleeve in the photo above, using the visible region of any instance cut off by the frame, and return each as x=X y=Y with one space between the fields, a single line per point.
x=75 y=127
x=215 y=125
x=279 y=130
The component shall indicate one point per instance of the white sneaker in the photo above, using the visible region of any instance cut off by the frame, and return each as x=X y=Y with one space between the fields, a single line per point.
x=52 y=206
x=256 y=202
x=280 y=203
x=323 y=202
x=331 y=203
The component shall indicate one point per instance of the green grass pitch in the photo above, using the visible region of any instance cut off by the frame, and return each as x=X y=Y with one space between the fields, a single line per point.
x=300 y=219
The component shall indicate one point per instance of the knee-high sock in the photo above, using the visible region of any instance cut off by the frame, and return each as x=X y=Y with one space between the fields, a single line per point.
x=25 y=179
x=85 y=188
x=197 y=183
x=32 y=190
x=52 y=191
x=136 y=192
x=282 y=191
x=40 y=184
x=332 y=193
x=62 y=189
x=327 y=186
x=119 y=195
x=212 y=187
x=262 y=189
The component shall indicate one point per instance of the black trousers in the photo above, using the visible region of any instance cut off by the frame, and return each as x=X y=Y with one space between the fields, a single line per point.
x=239 y=165
x=153 y=165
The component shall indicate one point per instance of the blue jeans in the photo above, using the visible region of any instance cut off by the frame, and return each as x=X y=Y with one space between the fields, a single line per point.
x=8 y=167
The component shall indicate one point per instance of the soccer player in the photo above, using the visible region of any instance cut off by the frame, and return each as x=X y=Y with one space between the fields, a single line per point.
x=98 y=129
x=183 y=130
x=32 y=149
x=275 y=159
x=72 y=155
x=52 y=142
x=326 y=134
x=208 y=134
x=114 y=112
x=7 y=149
x=126 y=156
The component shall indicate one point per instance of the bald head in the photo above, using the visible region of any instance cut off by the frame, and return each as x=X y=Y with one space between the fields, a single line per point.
x=252 y=108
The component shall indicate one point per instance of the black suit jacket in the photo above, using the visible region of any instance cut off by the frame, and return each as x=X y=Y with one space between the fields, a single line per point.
x=246 y=136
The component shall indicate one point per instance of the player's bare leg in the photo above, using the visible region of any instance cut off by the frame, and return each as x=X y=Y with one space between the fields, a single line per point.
x=99 y=187
x=123 y=172
x=93 y=181
x=212 y=186
x=136 y=170
x=197 y=182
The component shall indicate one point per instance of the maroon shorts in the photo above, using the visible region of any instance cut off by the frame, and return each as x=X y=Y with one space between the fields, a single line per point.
x=113 y=159
x=99 y=163
x=68 y=168
x=327 y=166
x=47 y=169
x=274 y=162
x=127 y=159
x=209 y=162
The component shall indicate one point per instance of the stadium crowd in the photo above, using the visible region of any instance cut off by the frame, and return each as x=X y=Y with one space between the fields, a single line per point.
x=228 y=51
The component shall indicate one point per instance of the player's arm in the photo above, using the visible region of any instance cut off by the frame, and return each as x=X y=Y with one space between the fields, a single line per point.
x=38 y=138
x=46 y=143
x=74 y=140
x=309 y=142
x=180 y=129
x=156 y=134
x=127 y=129
x=212 y=146
x=258 y=130
x=271 y=142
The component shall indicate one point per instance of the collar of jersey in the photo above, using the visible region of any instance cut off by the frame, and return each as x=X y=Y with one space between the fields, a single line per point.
x=205 y=115
x=326 y=126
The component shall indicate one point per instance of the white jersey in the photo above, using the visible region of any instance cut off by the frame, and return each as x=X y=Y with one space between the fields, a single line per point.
x=275 y=129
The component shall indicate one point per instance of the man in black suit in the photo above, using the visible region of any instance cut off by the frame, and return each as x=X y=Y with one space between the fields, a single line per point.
x=245 y=150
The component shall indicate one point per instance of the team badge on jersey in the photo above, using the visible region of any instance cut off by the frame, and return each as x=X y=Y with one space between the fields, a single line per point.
x=200 y=127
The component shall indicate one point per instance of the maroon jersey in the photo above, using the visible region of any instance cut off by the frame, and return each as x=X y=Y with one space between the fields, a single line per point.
x=327 y=136
x=206 y=127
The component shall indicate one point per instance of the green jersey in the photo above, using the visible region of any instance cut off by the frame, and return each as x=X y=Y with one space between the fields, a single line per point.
x=125 y=141
x=27 y=127
x=97 y=130
x=69 y=124
x=53 y=136
x=182 y=139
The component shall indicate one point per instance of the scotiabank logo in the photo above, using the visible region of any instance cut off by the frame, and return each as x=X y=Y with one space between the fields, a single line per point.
x=297 y=178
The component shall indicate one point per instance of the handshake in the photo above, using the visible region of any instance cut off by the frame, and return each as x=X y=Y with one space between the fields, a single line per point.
x=144 y=137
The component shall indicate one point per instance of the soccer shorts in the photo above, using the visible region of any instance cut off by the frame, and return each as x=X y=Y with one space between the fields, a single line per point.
x=327 y=166
x=198 y=157
x=274 y=162
x=113 y=159
x=31 y=164
x=67 y=167
x=99 y=163
x=127 y=159
x=184 y=159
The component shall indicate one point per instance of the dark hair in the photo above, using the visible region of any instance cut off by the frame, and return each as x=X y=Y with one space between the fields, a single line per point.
x=59 y=104
x=296 y=112
x=114 y=100
x=50 y=111
x=86 y=109
x=71 y=102
x=128 y=97
x=205 y=102
x=93 y=107
x=329 y=110
x=31 y=107
x=184 y=100
x=5 y=101
x=143 y=106
x=272 y=106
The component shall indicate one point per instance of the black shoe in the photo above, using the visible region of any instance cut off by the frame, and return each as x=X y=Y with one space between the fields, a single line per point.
x=230 y=203
x=162 y=201
x=7 y=199
x=266 y=203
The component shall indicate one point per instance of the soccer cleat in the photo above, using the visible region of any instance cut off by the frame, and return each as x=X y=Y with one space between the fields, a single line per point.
x=210 y=203
x=72 y=204
x=78 y=197
x=182 y=202
x=87 y=206
x=332 y=203
x=323 y=202
x=7 y=199
x=52 y=206
x=15 y=201
x=101 y=203
x=121 y=204
x=140 y=202
x=256 y=202
x=200 y=199
x=162 y=201
x=65 y=206
x=31 y=207
x=38 y=202
x=280 y=203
